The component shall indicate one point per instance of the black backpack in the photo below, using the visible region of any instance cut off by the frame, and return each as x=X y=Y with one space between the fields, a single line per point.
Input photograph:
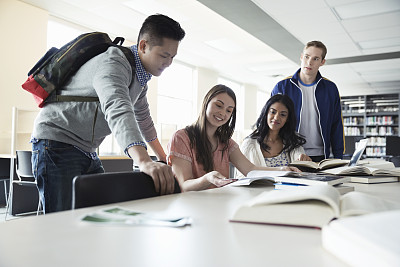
x=54 y=69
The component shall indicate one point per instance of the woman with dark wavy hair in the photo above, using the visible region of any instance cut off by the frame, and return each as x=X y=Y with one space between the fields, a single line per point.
x=275 y=142
x=200 y=153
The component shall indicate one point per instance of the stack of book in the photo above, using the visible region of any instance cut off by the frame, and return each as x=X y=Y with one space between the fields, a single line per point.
x=366 y=171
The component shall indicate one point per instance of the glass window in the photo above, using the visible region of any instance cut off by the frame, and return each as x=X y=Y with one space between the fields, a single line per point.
x=239 y=92
x=177 y=82
x=175 y=108
x=262 y=98
x=58 y=33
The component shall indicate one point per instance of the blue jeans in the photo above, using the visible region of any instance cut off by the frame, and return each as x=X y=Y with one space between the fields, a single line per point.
x=55 y=164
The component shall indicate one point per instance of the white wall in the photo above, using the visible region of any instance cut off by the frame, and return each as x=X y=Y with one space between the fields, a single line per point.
x=206 y=80
x=23 y=28
x=24 y=31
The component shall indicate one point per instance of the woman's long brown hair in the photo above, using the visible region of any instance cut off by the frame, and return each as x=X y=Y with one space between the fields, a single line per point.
x=197 y=132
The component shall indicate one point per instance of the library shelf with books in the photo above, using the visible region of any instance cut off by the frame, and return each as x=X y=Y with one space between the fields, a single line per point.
x=371 y=116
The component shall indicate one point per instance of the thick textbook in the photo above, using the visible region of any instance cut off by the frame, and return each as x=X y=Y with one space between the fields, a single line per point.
x=322 y=165
x=370 y=179
x=313 y=206
x=368 y=240
x=304 y=178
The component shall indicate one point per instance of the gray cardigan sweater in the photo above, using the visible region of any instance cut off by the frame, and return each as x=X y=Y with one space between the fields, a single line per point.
x=123 y=109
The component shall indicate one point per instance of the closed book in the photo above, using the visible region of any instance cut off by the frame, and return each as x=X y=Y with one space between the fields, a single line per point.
x=312 y=179
x=368 y=240
x=314 y=206
x=370 y=179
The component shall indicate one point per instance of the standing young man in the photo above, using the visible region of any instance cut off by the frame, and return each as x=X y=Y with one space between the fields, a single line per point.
x=67 y=134
x=317 y=105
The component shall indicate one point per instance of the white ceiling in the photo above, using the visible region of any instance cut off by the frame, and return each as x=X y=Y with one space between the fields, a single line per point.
x=259 y=42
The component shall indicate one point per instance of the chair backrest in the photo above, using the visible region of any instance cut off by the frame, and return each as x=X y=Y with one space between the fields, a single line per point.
x=106 y=188
x=4 y=168
x=23 y=164
x=395 y=160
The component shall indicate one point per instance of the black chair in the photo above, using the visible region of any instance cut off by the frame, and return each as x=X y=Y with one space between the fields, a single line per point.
x=395 y=160
x=23 y=169
x=5 y=175
x=106 y=188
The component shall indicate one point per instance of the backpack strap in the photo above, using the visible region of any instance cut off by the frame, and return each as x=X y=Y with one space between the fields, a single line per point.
x=129 y=56
x=118 y=40
x=70 y=98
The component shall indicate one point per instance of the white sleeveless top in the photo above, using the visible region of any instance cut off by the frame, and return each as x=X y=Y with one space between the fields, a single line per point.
x=278 y=161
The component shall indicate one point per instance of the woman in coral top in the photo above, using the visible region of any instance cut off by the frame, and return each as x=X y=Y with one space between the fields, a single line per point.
x=200 y=153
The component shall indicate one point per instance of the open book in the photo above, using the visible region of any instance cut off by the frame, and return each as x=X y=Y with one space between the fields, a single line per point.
x=330 y=163
x=369 y=240
x=363 y=170
x=323 y=164
x=290 y=177
x=313 y=206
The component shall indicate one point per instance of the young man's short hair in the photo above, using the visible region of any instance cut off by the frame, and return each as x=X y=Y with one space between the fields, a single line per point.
x=320 y=45
x=156 y=27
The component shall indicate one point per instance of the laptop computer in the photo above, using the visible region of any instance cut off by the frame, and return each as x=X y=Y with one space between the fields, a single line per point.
x=360 y=147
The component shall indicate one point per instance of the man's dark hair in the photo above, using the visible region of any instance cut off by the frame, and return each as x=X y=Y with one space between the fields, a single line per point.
x=156 y=27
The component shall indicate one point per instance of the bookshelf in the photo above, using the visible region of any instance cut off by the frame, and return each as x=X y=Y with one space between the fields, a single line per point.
x=373 y=117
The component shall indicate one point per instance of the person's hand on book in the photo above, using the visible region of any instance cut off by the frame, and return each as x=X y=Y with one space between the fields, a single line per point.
x=218 y=179
x=289 y=168
x=304 y=157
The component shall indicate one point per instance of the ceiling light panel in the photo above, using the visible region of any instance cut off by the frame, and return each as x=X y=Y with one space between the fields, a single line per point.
x=389 y=77
x=344 y=71
x=121 y=15
x=274 y=66
x=340 y=2
x=153 y=7
x=225 y=45
x=87 y=4
x=377 y=65
x=378 y=21
x=366 y=8
x=383 y=43
x=375 y=34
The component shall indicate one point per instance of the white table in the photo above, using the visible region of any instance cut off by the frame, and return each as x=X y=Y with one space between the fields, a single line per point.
x=61 y=239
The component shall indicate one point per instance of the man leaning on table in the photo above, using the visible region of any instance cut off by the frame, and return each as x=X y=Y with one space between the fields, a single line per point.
x=317 y=104
x=67 y=134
